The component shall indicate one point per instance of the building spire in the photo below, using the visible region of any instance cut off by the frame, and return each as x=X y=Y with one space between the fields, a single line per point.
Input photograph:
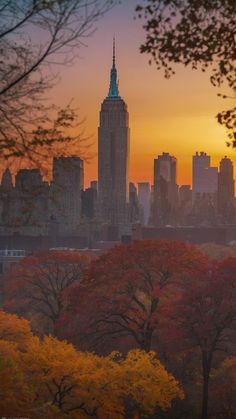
x=113 y=89
x=114 y=51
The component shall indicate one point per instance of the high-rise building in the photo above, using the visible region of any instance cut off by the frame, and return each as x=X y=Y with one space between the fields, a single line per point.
x=144 y=198
x=65 y=192
x=6 y=184
x=185 y=204
x=134 y=208
x=89 y=202
x=29 y=206
x=226 y=191
x=6 y=198
x=113 y=155
x=165 y=190
x=185 y=194
x=204 y=190
x=94 y=184
x=204 y=177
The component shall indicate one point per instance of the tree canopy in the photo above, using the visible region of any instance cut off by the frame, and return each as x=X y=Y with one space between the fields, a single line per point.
x=155 y=294
x=196 y=33
x=34 y=287
x=127 y=287
x=49 y=378
x=203 y=317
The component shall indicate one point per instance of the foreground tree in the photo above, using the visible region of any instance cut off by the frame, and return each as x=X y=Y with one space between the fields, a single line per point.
x=126 y=288
x=199 y=34
x=34 y=287
x=204 y=317
x=36 y=35
x=57 y=381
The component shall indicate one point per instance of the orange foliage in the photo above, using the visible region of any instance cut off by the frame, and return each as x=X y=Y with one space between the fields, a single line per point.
x=50 y=379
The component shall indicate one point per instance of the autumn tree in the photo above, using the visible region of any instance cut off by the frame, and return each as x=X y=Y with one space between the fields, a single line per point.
x=204 y=317
x=35 y=37
x=125 y=288
x=198 y=34
x=53 y=380
x=34 y=287
x=15 y=338
x=223 y=393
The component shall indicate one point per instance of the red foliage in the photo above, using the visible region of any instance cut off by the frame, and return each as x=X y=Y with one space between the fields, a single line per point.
x=203 y=316
x=123 y=291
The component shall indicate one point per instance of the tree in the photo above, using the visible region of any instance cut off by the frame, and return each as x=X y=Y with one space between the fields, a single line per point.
x=15 y=338
x=204 y=314
x=223 y=398
x=126 y=288
x=35 y=36
x=34 y=287
x=57 y=381
x=199 y=34
x=99 y=386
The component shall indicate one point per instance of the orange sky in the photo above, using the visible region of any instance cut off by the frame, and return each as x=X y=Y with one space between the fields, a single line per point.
x=176 y=115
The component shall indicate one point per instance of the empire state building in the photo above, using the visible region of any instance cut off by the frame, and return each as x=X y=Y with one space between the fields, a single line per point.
x=113 y=154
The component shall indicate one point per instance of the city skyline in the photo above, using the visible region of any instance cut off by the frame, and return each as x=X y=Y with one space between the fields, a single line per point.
x=176 y=115
x=92 y=181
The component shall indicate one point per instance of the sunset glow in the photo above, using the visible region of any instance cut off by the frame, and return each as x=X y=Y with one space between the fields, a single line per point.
x=176 y=115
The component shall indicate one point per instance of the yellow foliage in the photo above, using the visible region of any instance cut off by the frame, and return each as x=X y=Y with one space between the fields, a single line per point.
x=50 y=378
x=15 y=329
x=140 y=368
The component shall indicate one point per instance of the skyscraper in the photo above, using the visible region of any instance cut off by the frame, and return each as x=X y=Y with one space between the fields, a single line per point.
x=226 y=191
x=144 y=197
x=134 y=208
x=204 y=190
x=165 y=190
x=113 y=154
x=65 y=192
x=24 y=207
x=6 y=198
x=205 y=177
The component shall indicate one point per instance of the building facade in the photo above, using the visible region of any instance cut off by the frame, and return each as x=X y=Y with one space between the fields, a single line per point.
x=65 y=193
x=144 y=198
x=165 y=193
x=204 y=177
x=226 y=208
x=24 y=205
x=113 y=155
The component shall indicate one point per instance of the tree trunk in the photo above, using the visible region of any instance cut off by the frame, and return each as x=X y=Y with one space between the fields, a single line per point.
x=206 y=367
x=147 y=340
x=205 y=396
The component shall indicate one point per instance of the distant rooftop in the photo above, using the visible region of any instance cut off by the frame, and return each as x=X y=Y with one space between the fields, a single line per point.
x=12 y=253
